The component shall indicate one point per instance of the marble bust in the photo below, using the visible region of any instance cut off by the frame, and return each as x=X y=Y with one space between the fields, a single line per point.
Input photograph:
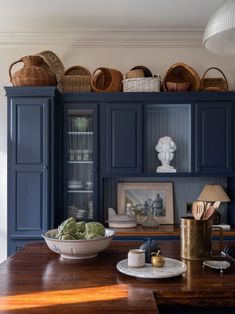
x=165 y=148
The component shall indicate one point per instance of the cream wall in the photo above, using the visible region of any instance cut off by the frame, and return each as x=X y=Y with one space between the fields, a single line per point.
x=158 y=59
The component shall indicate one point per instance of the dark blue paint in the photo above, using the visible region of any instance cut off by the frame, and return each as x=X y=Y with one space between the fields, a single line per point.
x=36 y=149
x=214 y=137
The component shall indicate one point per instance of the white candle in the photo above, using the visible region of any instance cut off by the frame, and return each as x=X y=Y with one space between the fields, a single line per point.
x=136 y=258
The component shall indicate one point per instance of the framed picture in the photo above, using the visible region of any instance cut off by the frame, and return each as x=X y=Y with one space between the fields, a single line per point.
x=145 y=198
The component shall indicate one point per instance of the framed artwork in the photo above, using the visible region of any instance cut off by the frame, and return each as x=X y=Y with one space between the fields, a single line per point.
x=147 y=198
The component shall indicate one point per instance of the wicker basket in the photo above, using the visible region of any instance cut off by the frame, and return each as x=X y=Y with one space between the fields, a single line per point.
x=214 y=84
x=134 y=74
x=33 y=73
x=75 y=79
x=147 y=72
x=145 y=84
x=180 y=73
x=106 y=80
x=54 y=63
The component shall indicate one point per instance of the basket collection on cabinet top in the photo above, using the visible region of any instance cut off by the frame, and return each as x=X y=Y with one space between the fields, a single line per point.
x=179 y=77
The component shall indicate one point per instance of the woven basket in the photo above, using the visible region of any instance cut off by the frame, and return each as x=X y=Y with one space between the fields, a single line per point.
x=145 y=84
x=75 y=79
x=33 y=73
x=147 y=72
x=106 y=80
x=54 y=63
x=134 y=74
x=214 y=84
x=180 y=73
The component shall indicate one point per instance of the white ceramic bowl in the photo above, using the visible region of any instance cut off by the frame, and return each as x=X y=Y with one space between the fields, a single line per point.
x=78 y=249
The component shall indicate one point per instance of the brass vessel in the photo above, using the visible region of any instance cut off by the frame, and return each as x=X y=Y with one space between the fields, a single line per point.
x=195 y=236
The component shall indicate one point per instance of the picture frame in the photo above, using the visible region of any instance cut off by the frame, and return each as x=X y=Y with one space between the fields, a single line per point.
x=147 y=198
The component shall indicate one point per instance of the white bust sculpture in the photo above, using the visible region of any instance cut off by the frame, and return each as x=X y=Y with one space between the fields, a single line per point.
x=165 y=148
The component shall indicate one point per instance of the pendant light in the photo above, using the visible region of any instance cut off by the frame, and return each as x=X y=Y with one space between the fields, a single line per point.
x=219 y=35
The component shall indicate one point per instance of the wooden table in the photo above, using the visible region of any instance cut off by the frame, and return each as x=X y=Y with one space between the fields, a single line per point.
x=36 y=280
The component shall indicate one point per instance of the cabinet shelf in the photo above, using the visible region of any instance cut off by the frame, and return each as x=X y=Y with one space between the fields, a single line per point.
x=80 y=162
x=80 y=191
x=80 y=133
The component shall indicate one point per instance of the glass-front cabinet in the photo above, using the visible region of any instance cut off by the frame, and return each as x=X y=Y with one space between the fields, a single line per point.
x=80 y=162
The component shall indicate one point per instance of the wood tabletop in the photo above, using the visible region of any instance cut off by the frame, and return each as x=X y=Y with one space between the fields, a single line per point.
x=36 y=280
x=163 y=231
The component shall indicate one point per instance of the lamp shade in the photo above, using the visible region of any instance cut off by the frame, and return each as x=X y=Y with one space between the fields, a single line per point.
x=219 y=35
x=213 y=193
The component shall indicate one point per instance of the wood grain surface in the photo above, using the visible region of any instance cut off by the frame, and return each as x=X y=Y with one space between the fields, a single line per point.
x=36 y=280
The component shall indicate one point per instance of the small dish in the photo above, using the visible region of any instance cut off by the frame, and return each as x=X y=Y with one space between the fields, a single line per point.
x=221 y=265
x=122 y=224
x=171 y=268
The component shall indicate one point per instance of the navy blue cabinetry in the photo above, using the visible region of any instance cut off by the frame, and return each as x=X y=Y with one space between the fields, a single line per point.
x=123 y=138
x=30 y=164
x=80 y=160
x=214 y=137
x=68 y=151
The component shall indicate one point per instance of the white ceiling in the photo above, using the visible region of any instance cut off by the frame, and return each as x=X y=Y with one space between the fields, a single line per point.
x=22 y=16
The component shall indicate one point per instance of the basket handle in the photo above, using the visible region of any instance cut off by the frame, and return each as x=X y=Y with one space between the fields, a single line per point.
x=94 y=77
x=214 y=68
x=10 y=75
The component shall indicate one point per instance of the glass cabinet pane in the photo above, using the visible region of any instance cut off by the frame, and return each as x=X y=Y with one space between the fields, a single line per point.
x=80 y=138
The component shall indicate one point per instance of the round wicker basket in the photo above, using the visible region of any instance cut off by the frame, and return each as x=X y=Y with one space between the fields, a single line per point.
x=181 y=73
x=134 y=74
x=54 y=63
x=147 y=72
x=106 y=80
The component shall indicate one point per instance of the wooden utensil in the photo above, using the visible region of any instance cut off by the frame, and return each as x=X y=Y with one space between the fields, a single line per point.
x=216 y=204
x=208 y=205
x=208 y=213
x=197 y=209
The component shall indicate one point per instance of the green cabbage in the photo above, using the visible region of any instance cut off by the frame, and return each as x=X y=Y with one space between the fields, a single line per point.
x=69 y=229
x=81 y=226
x=67 y=236
x=80 y=235
x=95 y=228
x=68 y=226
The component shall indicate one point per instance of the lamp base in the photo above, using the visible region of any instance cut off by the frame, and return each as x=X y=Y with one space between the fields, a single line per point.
x=216 y=218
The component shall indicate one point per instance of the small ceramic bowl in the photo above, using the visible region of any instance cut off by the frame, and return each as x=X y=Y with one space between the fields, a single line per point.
x=178 y=86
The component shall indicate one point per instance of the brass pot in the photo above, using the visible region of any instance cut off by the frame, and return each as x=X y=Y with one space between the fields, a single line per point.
x=195 y=236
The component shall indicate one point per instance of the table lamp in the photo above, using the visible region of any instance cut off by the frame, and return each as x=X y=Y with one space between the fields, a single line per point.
x=214 y=193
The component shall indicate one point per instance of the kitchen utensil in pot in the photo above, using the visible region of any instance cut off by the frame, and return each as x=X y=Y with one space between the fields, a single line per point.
x=197 y=209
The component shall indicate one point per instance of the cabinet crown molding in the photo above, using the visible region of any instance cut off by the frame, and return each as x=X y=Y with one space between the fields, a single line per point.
x=106 y=38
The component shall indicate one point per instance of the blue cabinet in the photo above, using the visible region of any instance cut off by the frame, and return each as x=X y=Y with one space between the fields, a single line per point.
x=59 y=167
x=30 y=164
x=214 y=137
x=80 y=160
x=123 y=138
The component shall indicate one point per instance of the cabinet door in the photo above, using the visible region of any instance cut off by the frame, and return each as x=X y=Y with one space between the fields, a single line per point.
x=28 y=165
x=124 y=138
x=80 y=161
x=214 y=138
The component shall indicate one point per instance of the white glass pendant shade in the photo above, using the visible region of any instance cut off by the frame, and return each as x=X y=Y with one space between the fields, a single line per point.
x=219 y=35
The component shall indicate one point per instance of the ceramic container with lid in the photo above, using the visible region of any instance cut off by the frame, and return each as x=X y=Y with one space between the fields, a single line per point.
x=149 y=246
x=121 y=220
